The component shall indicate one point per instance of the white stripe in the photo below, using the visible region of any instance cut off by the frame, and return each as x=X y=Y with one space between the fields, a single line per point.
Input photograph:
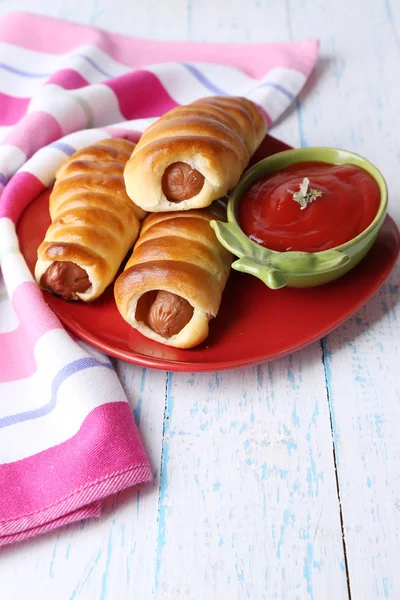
x=8 y=236
x=33 y=392
x=4 y=130
x=15 y=271
x=290 y=79
x=11 y=159
x=184 y=87
x=21 y=86
x=97 y=354
x=19 y=58
x=275 y=103
x=8 y=318
x=35 y=63
x=40 y=63
x=14 y=85
x=107 y=64
x=103 y=103
x=234 y=81
x=77 y=397
x=63 y=105
x=44 y=164
x=228 y=79
x=180 y=84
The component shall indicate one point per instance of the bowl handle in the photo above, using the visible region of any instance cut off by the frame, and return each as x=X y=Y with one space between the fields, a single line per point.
x=253 y=259
x=272 y=277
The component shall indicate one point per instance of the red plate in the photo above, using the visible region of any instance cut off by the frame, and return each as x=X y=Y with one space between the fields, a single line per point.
x=254 y=323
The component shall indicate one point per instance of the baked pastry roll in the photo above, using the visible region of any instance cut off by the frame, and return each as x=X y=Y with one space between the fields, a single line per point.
x=173 y=282
x=94 y=223
x=194 y=154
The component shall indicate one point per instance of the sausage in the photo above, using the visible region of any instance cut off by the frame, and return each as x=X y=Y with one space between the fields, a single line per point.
x=169 y=314
x=181 y=182
x=65 y=279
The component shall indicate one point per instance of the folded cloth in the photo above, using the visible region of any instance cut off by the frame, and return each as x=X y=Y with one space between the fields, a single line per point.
x=67 y=435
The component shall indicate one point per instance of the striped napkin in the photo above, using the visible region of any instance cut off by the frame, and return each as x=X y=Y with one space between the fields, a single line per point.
x=67 y=435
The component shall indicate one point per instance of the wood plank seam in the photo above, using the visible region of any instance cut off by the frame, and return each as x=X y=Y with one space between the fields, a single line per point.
x=163 y=481
x=328 y=397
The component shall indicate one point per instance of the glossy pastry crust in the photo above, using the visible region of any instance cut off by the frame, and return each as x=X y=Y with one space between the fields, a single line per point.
x=178 y=253
x=213 y=137
x=94 y=222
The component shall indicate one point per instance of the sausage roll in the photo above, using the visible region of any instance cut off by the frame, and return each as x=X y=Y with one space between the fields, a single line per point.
x=194 y=154
x=173 y=282
x=94 y=223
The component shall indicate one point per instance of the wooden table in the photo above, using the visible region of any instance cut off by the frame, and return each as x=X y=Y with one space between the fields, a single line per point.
x=280 y=481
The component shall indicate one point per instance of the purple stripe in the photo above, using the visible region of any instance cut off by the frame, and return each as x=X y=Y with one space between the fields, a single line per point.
x=276 y=86
x=3 y=179
x=16 y=71
x=60 y=377
x=24 y=73
x=204 y=80
x=94 y=65
x=63 y=147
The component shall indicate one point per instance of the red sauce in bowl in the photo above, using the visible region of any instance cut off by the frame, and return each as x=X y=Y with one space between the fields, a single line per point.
x=347 y=202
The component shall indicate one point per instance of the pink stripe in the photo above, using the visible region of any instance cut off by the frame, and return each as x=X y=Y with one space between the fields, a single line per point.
x=35 y=130
x=17 y=360
x=68 y=79
x=20 y=191
x=55 y=36
x=105 y=456
x=91 y=511
x=12 y=109
x=126 y=134
x=152 y=101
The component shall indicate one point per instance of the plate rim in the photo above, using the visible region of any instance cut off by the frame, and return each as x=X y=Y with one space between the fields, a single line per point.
x=163 y=364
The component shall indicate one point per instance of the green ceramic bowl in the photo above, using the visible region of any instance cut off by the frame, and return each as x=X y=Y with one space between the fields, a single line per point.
x=297 y=269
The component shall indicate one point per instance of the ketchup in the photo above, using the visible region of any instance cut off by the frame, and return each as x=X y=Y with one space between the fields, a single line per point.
x=345 y=200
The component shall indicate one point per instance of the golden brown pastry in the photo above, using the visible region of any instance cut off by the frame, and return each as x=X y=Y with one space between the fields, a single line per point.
x=173 y=282
x=194 y=154
x=94 y=223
